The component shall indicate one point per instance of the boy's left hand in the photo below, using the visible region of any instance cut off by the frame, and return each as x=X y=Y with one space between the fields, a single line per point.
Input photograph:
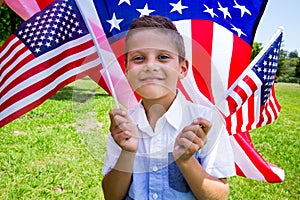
x=191 y=139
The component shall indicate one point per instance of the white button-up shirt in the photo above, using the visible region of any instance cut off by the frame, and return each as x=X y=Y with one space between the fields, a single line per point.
x=155 y=173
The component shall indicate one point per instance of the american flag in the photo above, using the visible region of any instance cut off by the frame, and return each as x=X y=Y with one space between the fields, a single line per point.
x=218 y=37
x=48 y=51
x=251 y=101
x=27 y=8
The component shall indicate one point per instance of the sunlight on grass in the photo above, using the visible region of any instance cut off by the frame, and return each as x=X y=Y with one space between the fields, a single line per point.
x=56 y=151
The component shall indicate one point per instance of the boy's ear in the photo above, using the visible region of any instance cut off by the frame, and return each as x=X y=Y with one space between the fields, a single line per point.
x=183 y=69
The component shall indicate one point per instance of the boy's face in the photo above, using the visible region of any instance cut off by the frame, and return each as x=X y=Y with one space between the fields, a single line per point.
x=153 y=66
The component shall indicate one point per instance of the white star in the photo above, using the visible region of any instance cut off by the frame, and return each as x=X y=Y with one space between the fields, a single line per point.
x=224 y=10
x=37 y=50
x=242 y=8
x=239 y=31
x=210 y=11
x=114 y=22
x=122 y=1
x=145 y=11
x=48 y=44
x=178 y=7
x=270 y=63
x=259 y=69
x=270 y=56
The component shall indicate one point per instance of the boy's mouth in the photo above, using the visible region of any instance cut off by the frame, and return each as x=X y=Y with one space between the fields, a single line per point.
x=151 y=78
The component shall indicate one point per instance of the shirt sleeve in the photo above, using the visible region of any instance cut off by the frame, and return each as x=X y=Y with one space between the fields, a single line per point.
x=216 y=157
x=113 y=152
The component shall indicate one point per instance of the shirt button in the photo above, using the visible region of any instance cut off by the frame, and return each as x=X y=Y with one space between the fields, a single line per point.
x=155 y=196
x=154 y=168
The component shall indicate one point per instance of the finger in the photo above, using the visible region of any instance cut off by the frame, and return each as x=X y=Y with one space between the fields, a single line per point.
x=203 y=123
x=187 y=145
x=195 y=128
x=117 y=116
x=120 y=137
x=117 y=111
x=129 y=127
x=190 y=135
x=194 y=138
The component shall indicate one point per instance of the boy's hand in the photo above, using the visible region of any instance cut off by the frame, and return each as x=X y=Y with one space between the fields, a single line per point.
x=123 y=130
x=191 y=139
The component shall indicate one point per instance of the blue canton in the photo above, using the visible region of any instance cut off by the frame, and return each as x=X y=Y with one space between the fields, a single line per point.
x=54 y=26
x=236 y=15
x=266 y=69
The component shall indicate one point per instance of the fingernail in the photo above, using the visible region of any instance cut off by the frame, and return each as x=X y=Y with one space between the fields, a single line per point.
x=177 y=147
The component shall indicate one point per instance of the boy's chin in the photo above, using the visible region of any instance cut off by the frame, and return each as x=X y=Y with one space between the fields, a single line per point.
x=155 y=92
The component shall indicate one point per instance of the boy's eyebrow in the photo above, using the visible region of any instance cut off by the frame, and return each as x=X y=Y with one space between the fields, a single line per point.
x=161 y=50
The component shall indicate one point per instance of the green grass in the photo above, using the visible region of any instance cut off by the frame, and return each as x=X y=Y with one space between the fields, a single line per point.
x=56 y=151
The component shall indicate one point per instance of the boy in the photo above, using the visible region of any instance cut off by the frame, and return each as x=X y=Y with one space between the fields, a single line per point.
x=162 y=149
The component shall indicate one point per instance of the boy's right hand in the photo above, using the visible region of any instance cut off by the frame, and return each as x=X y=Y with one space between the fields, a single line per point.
x=123 y=130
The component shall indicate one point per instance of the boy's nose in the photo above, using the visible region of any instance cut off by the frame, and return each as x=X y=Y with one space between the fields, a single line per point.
x=151 y=64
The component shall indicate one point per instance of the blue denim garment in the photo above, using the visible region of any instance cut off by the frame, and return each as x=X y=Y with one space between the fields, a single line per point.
x=161 y=179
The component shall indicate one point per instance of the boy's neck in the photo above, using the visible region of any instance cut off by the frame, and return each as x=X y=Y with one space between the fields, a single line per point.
x=156 y=108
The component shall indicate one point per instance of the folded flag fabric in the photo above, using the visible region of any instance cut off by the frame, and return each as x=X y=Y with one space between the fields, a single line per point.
x=251 y=100
x=47 y=52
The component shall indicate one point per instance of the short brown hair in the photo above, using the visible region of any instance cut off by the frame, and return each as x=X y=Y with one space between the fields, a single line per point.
x=163 y=24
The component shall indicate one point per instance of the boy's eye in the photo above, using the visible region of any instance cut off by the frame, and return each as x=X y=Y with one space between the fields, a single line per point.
x=163 y=57
x=138 y=58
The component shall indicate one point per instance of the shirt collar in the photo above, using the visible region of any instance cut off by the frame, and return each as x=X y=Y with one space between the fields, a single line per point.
x=175 y=112
x=173 y=116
